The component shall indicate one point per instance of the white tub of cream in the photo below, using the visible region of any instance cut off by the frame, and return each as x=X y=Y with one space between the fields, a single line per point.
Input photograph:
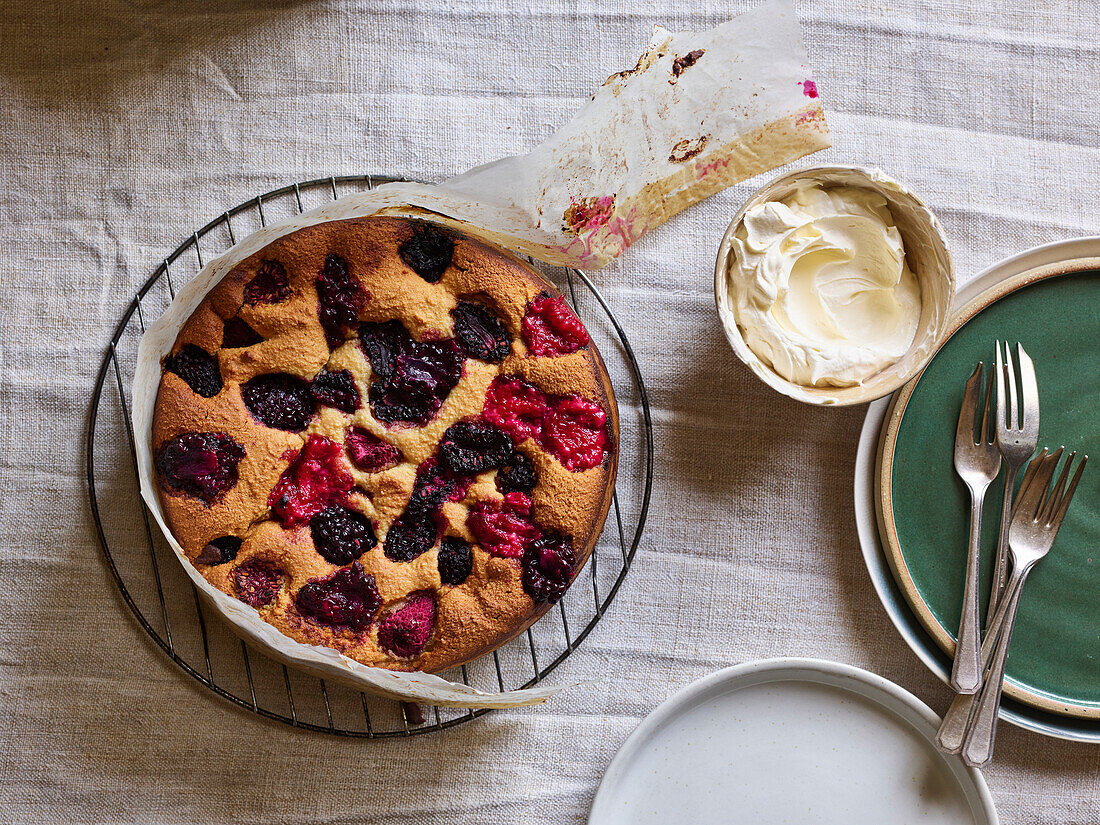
x=834 y=284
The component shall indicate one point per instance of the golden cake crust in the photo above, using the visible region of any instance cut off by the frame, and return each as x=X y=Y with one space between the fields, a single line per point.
x=491 y=605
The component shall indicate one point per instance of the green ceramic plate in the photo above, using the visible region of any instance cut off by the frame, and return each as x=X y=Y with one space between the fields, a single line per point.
x=1054 y=661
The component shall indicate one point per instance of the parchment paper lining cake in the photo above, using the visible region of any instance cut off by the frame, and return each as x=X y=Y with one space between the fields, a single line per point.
x=580 y=199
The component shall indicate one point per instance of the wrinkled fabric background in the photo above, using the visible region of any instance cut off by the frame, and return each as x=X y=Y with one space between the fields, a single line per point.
x=126 y=125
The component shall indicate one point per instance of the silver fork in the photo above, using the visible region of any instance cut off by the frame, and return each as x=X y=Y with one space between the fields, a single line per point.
x=1017 y=438
x=977 y=462
x=970 y=724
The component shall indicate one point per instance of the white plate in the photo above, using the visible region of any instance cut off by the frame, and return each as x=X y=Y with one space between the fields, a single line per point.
x=1025 y=716
x=790 y=741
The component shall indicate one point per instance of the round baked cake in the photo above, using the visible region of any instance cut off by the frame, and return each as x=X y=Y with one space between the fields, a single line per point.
x=388 y=438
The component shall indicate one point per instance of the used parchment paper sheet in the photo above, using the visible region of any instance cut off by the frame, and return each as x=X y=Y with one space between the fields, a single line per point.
x=698 y=113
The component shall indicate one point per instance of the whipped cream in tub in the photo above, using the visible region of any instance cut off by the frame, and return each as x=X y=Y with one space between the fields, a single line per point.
x=821 y=288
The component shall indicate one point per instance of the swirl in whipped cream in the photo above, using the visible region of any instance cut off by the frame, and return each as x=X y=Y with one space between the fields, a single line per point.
x=820 y=286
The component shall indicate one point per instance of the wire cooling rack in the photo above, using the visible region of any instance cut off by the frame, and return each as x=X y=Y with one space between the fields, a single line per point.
x=165 y=602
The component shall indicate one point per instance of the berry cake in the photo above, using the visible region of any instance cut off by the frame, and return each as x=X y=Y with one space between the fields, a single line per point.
x=388 y=438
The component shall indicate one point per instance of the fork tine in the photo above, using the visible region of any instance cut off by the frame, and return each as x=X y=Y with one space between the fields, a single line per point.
x=1013 y=399
x=1029 y=476
x=1063 y=503
x=1055 y=493
x=989 y=423
x=999 y=371
x=1031 y=504
x=1029 y=392
x=969 y=406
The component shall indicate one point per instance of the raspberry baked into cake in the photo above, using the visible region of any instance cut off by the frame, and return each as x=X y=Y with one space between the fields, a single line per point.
x=389 y=439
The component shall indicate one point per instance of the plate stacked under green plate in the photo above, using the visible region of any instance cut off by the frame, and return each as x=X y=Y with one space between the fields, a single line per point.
x=1054 y=662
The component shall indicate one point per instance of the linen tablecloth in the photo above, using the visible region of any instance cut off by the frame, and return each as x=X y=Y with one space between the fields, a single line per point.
x=126 y=125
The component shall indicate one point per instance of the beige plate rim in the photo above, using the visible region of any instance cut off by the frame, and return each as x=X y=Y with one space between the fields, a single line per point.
x=884 y=509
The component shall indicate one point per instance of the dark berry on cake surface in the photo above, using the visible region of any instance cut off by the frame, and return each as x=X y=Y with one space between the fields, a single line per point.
x=456 y=560
x=551 y=328
x=271 y=285
x=336 y=389
x=220 y=550
x=348 y=598
x=315 y=478
x=518 y=475
x=382 y=343
x=410 y=537
x=422 y=378
x=548 y=564
x=480 y=333
x=258 y=582
x=410 y=379
x=237 y=333
x=370 y=453
x=279 y=400
x=405 y=630
x=472 y=447
x=197 y=368
x=203 y=465
x=340 y=299
x=341 y=535
x=431 y=489
x=428 y=252
x=416 y=530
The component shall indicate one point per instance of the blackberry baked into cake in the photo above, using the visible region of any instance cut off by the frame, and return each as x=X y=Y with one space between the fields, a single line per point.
x=388 y=438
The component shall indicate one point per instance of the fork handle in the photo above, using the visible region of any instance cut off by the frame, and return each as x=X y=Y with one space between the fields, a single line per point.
x=977 y=749
x=952 y=732
x=966 y=671
x=960 y=715
x=1000 y=563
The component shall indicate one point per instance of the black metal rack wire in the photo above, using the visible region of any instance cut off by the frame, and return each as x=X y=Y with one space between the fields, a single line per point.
x=166 y=604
